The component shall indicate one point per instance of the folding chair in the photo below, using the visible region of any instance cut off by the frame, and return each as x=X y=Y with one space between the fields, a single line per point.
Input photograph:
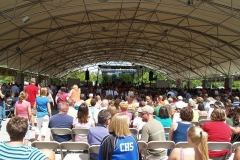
x=93 y=149
x=235 y=145
x=202 y=117
x=79 y=131
x=160 y=145
x=220 y=146
x=134 y=132
x=166 y=130
x=143 y=146
x=61 y=131
x=182 y=145
x=74 y=147
x=46 y=145
x=202 y=121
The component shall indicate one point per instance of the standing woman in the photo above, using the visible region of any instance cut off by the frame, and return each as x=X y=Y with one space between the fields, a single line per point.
x=61 y=97
x=83 y=121
x=120 y=145
x=75 y=93
x=23 y=109
x=43 y=113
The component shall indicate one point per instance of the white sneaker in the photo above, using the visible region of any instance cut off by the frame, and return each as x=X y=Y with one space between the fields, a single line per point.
x=33 y=128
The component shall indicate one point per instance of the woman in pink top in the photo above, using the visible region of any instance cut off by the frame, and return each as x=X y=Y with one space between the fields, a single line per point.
x=23 y=109
x=123 y=109
x=83 y=121
x=61 y=97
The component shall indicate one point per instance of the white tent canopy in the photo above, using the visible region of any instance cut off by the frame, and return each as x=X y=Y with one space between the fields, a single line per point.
x=182 y=40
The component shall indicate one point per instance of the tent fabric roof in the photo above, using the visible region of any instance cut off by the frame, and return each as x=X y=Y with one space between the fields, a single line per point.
x=179 y=39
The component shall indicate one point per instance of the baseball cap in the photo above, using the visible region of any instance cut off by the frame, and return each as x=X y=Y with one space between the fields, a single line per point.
x=218 y=104
x=148 y=109
x=1 y=81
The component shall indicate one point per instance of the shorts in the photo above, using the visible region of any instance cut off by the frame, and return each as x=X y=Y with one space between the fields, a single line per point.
x=27 y=135
x=33 y=111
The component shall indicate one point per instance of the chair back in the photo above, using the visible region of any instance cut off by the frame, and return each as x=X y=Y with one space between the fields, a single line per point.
x=166 y=129
x=143 y=147
x=202 y=117
x=46 y=145
x=202 y=121
x=195 y=123
x=161 y=145
x=73 y=147
x=134 y=132
x=80 y=131
x=61 y=131
x=93 y=149
x=235 y=145
x=219 y=145
x=182 y=145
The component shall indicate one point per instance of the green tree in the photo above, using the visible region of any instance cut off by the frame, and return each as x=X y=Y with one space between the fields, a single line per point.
x=106 y=78
x=125 y=77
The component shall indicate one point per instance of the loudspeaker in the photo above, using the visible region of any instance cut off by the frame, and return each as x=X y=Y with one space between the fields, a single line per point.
x=150 y=78
x=86 y=75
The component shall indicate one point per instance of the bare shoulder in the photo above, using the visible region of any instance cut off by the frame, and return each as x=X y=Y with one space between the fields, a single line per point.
x=174 y=154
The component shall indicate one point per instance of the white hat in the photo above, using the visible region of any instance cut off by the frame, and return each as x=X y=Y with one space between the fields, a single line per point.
x=180 y=97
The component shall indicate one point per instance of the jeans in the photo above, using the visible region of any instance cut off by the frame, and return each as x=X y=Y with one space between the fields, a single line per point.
x=4 y=112
x=1 y=116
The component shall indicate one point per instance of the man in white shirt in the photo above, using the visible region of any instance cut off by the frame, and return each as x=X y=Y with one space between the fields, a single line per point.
x=104 y=105
x=71 y=111
x=180 y=104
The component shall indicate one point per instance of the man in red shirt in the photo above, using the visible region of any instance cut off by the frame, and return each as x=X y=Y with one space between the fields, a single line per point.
x=32 y=91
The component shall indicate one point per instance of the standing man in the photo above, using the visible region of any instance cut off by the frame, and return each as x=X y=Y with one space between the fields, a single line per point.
x=32 y=91
x=14 y=88
x=2 y=97
x=152 y=131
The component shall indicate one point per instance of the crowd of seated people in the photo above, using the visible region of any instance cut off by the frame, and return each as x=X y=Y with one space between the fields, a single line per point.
x=110 y=116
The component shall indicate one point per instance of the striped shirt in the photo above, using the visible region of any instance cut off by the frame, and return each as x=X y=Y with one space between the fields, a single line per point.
x=20 y=153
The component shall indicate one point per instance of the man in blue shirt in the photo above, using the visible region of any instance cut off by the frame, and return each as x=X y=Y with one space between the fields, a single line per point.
x=61 y=120
x=96 y=134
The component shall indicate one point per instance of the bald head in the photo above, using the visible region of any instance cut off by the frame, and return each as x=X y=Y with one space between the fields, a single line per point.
x=63 y=108
x=105 y=103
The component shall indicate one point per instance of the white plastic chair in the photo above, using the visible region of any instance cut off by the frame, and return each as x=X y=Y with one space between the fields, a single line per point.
x=143 y=146
x=61 y=131
x=134 y=132
x=182 y=145
x=72 y=148
x=93 y=149
x=79 y=131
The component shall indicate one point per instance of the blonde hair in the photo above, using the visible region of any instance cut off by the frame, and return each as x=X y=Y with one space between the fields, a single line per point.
x=171 y=110
x=199 y=138
x=75 y=87
x=123 y=106
x=22 y=96
x=43 y=91
x=120 y=125
x=112 y=109
x=218 y=114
